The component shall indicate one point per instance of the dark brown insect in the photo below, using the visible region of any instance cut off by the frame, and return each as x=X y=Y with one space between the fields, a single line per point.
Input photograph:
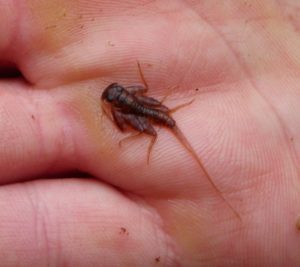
x=129 y=106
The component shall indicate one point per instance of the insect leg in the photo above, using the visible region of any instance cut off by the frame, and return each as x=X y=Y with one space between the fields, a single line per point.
x=142 y=125
x=132 y=136
x=134 y=89
x=148 y=129
x=152 y=142
x=181 y=106
x=168 y=93
x=118 y=119
x=106 y=113
x=142 y=76
x=136 y=123
x=152 y=102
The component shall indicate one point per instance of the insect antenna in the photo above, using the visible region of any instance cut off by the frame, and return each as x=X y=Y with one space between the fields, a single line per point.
x=183 y=140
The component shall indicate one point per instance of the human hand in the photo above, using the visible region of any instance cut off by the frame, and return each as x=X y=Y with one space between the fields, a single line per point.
x=238 y=60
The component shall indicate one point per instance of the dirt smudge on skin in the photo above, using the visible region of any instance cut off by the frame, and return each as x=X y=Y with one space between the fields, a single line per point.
x=124 y=231
x=298 y=223
x=54 y=23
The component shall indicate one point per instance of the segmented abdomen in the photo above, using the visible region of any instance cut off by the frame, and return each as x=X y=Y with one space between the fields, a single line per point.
x=131 y=105
x=159 y=116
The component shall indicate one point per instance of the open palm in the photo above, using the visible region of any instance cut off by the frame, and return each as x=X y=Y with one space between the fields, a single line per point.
x=240 y=63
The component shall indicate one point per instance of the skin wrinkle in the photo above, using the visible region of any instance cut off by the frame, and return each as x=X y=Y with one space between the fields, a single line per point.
x=44 y=232
x=217 y=79
x=58 y=255
x=42 y=236
x=63 y=143
x=283 y=126
x=60 y=143
x=178 y=52
x=30 y=196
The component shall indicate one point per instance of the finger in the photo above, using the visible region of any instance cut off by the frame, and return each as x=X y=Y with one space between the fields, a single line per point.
x=40 y=40
x=39 y=131
x=78 y=223
x=58 y=42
